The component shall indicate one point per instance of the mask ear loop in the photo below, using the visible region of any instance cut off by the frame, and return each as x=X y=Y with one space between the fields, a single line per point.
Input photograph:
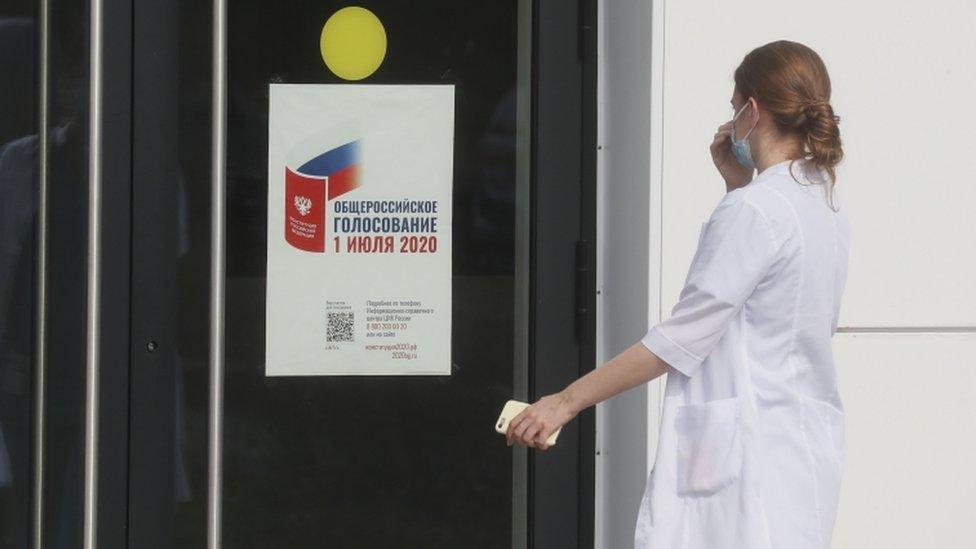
x=734 y=118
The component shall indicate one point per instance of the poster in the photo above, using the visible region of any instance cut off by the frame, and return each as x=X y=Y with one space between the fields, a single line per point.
x=360 y=183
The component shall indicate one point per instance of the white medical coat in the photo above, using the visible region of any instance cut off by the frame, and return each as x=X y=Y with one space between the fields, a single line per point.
x=751 y=443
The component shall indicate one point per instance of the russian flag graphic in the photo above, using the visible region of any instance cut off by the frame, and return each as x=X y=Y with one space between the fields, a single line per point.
x=308 y=190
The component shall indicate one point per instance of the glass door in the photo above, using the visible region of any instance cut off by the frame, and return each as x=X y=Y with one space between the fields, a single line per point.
x=172 y=434
x=337 y=461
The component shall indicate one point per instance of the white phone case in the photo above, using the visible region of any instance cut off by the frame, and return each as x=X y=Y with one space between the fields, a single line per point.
x=511 y=409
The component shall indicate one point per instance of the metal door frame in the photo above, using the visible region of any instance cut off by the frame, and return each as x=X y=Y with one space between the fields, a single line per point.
x=561 y=511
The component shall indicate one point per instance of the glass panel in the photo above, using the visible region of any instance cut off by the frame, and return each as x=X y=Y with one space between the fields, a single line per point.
x=18 y=139
x=66 y=260
x=376 y=461
x=344 y=461
x=67 y=247
x=171 y=254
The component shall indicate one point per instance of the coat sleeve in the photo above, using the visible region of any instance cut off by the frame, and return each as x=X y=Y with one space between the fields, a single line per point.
x=734 y=253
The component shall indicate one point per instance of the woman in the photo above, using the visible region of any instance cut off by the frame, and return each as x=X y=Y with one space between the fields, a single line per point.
x=752 y=433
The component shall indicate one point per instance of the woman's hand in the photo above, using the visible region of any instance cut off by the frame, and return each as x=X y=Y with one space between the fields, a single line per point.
x=736 y=175
x=533 y=425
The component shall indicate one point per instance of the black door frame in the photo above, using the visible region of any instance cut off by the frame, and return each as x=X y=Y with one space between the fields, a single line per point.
x=563 y=241
x=562 y=258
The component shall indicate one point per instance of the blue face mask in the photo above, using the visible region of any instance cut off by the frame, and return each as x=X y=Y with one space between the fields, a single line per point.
x=740 y=147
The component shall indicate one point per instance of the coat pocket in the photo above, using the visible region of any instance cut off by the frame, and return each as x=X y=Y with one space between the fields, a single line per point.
x=709 y=446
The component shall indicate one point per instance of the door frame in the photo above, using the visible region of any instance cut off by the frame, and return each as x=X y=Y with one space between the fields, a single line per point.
x=563 y=240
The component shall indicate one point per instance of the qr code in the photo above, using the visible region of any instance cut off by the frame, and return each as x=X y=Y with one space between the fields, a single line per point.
x=340 y=327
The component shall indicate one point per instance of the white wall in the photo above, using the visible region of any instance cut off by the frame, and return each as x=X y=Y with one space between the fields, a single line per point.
x=904 y=85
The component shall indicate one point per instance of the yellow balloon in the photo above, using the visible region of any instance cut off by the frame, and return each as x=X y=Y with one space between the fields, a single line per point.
x=353 y=43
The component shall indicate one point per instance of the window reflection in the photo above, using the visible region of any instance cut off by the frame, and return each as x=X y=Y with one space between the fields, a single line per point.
x=19 y=144
x=18 y=141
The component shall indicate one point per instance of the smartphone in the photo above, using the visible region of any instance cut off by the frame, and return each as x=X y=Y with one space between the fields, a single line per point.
x=511 y=409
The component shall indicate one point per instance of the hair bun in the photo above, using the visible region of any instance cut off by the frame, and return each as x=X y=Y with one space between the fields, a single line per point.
x=814 y=108
x=790 y=80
